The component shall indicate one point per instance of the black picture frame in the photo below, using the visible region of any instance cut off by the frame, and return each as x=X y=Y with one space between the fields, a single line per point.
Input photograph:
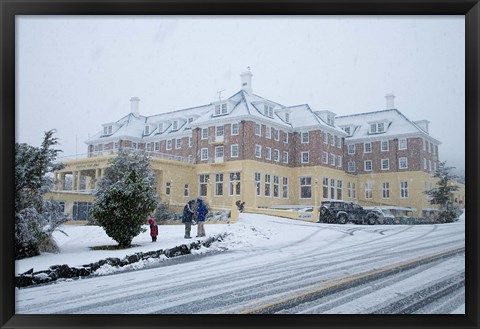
x=10 y=8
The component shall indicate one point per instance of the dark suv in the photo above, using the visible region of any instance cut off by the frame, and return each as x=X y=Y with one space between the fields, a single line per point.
x=342 y=212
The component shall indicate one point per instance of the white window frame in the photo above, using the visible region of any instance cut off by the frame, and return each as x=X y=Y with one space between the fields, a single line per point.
x=285 y=137
x=383 y=163
x=268 y=185
x=305 y=182
x=404 y=161
x=258 y=183
x=268 y=110
x=175 y=126
x=351 y=166
x=285 y=187
x=258 y=151
x=234 y=151
x=402 y=144
x=382 y=149
x=268 y=153
x=276 y=186
x=276 y=134
x=368 y=190
x=203 y=184
x=221 y=109
x=204 y=154
x=218 y=184
x=351 y=149
x=268 y=132
x=146 y=131
x=325 y=138
x=178 y=143
x=169 y=144
x=235 y=129
x=404 y=190
x=332 y=159
x=276 y=155
x=190 y=141
x=324 y=157
x=339 y=161
x=367 y=149
x=258 y=129
x=365 y=165
x=204 y=133
x=305 y=157
x=285 y=157
x=219 y=131
x=307 y=135
x=386 y=190
x=219 y=151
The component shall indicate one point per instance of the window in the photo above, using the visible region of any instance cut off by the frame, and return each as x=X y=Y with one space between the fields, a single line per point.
x=425 y=145
x=287 y=117
x=267 y=184
x=339 y=142
x=347 y=130
x=332 y=140
x=332 y=188
x=351 y=149
x=425 y=164
x=157 y=146
x=220 y=109
x=258 y=151
x=175 y=125
x=149 y=146
x=186 y=190
x=178 y=143
x=351 y=166
x=285 y=157
x=147 y=130
x=285 y=187
x=276 y=134
x=234 y=151
x=268 y=110
x=169 y=144
x=234 y=176
x=305 y=157
x=384 y=146
x=402 y=144
x=332 y=159
x=367 y=165
x=339 y=161
x=352 y=192
x=339 y=190
x=258 y=129
x=305 y=137
x=190 y=120
x=160 y=127
x=434 y=166
x=404 y=190
x=403 y=163
x=204 y=133
x=430 y=165
x=305 y=187
x=168 y=188
x=285 y=137
x=258 y=183
x=325 y=157
x=386 y=190
x=190 y=141
x=219 y=152
x=218 y=184
x=135 y=145
x=116 y=145
x=276 y=186
x=107 y=130
x=367 y=147
x=376 y=128
x=325 y=138
x=276 y=155
x=234 y=129
x=190 y=157
x=368 y=190
x=268 y=153
x=385 y=164
x=219 y=130
x=204 y=154
x=203 y=181
x=325 y=187
x=268 y=132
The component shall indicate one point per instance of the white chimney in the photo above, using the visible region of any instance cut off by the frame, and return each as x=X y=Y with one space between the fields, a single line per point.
x=390 y=101
x=134 y=106
x=247 y=80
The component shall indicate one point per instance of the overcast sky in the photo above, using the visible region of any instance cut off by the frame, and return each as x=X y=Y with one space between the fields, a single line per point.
x=76 y=73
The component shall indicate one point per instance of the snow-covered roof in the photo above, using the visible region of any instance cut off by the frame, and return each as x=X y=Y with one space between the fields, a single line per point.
x=395 y=124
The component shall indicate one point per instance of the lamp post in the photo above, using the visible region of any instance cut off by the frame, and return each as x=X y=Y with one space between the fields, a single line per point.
x=315 y=201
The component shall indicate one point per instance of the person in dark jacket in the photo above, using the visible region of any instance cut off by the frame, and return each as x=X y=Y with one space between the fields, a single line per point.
x=153 y=229
x=187 y=218
x=201 y=216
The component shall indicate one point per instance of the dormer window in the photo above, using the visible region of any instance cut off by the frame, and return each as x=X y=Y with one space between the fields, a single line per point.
x=175 y=125
x=221 y=109
x=107 y=130
x=287 y=117
x=330 y=119
x=190 y=119
x=147 y=130
x=377 y=128
x=160 y=127
x=268 y=110
x=347 y=130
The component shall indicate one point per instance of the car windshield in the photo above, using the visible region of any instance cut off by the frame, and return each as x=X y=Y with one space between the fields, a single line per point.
x=387 y=212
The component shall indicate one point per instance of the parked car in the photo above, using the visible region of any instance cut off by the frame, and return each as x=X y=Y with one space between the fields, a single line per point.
x=385 y=216
x=342 y=212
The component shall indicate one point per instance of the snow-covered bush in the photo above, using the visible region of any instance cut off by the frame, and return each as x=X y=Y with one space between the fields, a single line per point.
x=35 y=218
x=125 y=197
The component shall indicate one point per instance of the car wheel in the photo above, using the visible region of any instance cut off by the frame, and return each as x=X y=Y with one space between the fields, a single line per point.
x=342 y=219
x=371 y=220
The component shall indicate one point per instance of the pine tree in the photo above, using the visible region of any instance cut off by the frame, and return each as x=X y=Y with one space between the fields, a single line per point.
x=440 y=195
x=35 y=218
x=125 y=197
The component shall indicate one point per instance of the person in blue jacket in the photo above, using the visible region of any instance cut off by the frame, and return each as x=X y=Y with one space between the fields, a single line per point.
x=201 y=216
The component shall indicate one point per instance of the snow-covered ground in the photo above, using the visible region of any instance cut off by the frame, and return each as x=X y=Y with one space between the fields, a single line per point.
x=264 y=254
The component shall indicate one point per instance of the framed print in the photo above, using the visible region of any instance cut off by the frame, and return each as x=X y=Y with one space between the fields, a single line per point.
x=186 y=164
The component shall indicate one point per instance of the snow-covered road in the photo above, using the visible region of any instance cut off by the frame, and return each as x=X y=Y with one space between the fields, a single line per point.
x=324 y=268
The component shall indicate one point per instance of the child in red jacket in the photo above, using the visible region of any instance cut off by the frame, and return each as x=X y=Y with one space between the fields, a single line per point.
x=153 y=229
